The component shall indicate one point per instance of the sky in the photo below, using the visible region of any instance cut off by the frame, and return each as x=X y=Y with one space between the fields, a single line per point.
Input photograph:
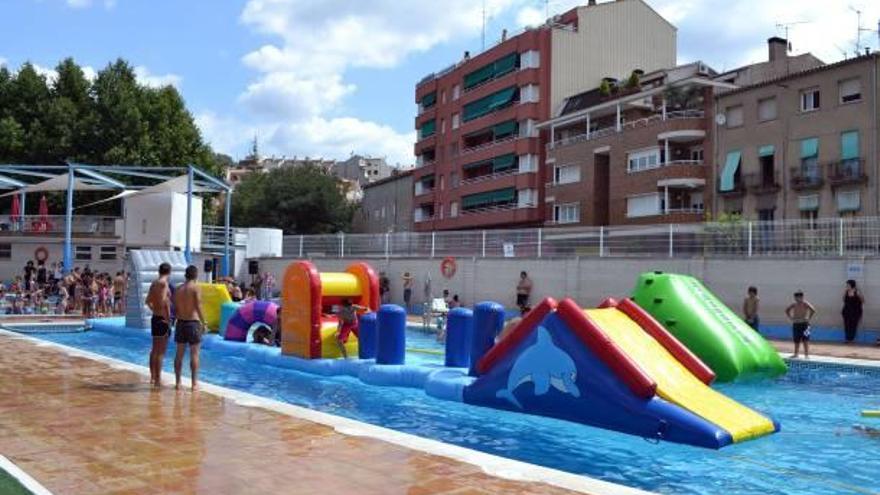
x=328 y=78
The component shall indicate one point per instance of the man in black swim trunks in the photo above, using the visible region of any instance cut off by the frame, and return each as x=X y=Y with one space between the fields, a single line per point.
x=159 y=302
x=190 y=322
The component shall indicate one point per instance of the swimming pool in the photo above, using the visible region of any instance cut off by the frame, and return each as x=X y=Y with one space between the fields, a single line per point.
x=818 y=451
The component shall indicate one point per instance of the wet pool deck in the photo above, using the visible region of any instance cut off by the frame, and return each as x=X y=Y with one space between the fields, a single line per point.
x=78 y=425
x=834 y=350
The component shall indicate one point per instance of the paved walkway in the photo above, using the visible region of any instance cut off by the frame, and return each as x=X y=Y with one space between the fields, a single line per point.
x=851 y=351
x=81 y=426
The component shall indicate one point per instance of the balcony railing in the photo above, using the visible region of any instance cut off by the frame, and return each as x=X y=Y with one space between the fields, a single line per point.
x=738 y=189
x=846 y=172
x=497 y=208
x=805 y=179
x=633 y=124
x=758 y=183
x=81 y=225
x=214 y=237
x=472 y=149
x=484 y=178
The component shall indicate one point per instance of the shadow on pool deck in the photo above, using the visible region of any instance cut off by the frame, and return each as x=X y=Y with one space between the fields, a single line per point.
x=80 y=426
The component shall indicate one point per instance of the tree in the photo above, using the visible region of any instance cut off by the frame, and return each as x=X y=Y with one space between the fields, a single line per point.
x=305 y=199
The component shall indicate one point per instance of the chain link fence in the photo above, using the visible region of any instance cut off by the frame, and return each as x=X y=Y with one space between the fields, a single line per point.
x=837 y=237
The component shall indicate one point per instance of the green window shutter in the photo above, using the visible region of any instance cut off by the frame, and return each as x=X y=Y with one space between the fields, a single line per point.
x=505 y=195
x=503 y=97
x=768 y=150
x=506 y=64
x=503 y=162
x=505 y=129
x=809 y=148
x=474 y=165
x=479 y=76
x=428 y=128
x=849 y=145
x=429 y=100
x=474 y=200
x=477 y=108
x=728 y=174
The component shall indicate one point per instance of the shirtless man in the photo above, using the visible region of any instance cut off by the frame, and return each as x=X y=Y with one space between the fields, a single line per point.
x=800 y=312
x=119 y=293
x=190 y=322
x=159 y=302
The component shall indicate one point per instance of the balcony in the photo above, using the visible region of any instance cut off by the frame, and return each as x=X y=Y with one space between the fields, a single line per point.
x=739 y=189
x=758 y=183
x=625 y=126
x=807 y=178
x=54 y=225
x=847 y=172
x=488 y=177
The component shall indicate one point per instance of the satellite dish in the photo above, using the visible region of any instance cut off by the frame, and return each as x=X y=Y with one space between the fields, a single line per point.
x=721 y=119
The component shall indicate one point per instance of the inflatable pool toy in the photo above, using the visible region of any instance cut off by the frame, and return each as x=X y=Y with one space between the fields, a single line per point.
x=307 y=305
x=696 y=317
x=869 y=413
x=248 y=314
x=213 y=297
x=227 y=309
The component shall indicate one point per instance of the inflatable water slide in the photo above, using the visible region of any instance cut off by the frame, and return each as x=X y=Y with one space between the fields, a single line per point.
x=706 y=326
x=614 y=367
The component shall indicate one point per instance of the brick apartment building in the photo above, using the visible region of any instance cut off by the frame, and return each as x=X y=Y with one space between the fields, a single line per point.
x=480 y=155
x=642 y=150
x=803 y=145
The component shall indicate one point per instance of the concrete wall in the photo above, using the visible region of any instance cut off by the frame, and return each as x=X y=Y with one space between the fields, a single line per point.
x=612 y=40
x=591 y=280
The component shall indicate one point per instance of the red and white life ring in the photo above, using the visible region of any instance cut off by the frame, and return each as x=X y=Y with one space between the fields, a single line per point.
x=448 y=267
x=41 y=254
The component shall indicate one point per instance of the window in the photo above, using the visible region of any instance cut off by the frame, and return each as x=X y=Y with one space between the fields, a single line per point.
x=810 y=217
x=453 y=180
x=810 y=158
x=486 y=199
x=456 y=92
x=644 y=160
x=528 y=163
x=566 y=174
x=767 y=109
x=453 y=209
x=734 y=116
x=5 y=251
x=527 y=198
x=83 y=253
x=442 y=182
x=442 y=126
x=375 y=214
x=850 y=90
x=108 y=253
x=494 y=70
x=809 y=202
x=766 y=214
x=643 y=205
x=382 y=213
x=530 y=59
x=566 y=213
x=529 y=94
x=697 y=155
x=428 y=129
x=456 y=120
x=443 y=96
x=848 y=201
x=810 y=100
x=491 y=103
x=428 y=101
x=766 y=158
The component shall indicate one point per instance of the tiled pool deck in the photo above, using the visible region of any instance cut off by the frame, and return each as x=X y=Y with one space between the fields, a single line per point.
x=78 y=425
x=835 y=350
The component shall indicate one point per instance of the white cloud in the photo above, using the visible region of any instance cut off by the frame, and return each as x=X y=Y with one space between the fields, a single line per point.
x=83 y=4
x=147 y=78
x=2 y=61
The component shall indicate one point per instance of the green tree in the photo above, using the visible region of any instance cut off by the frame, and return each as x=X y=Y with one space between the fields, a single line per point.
x=11 y=139
x=299 y=200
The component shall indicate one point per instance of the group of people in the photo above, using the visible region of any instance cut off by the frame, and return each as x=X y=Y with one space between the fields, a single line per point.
x=42 y=289
x=801 y=312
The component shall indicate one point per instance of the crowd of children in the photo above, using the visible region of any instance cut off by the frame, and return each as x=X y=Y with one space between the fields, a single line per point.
x=42 y=289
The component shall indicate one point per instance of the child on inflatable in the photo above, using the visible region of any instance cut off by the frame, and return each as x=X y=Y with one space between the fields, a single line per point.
x=348 y=323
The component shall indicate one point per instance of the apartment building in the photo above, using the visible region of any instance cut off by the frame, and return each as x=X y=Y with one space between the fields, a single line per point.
x=386 y=205
x=362 y=169
x=480 y=154
x=803 y=145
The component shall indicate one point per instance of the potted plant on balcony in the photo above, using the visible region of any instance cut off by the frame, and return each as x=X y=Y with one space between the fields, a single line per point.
x=605 y=88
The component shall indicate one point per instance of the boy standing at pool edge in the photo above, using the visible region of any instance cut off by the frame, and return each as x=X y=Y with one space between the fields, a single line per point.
x=348 y=324
x=800 y=312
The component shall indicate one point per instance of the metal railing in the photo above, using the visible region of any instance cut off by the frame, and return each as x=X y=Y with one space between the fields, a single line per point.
x=833 y=237
x=214 y=237
x=633 y=124
x=82 y=225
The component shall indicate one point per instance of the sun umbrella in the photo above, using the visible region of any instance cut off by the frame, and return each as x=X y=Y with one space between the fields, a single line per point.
x=16 y=209
x=44 y=213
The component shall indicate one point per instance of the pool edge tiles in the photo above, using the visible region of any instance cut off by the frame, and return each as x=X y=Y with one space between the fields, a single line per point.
x=491 y=465
x=24 y=479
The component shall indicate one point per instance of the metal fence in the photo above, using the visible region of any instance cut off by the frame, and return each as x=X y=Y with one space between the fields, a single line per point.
x=837 y=237
x=81 y=225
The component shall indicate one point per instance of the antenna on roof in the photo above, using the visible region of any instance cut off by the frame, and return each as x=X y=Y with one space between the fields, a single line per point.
x=483 y=32
x=786 y=26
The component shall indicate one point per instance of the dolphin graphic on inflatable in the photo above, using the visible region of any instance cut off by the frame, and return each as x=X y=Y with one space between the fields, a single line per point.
x=544 y=365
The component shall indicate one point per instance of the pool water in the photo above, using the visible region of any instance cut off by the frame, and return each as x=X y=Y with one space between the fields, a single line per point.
x=822 y=448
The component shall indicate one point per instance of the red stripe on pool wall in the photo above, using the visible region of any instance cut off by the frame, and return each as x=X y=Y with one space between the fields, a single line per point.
x=522 y=329
x=653 y=328
x=605 y=349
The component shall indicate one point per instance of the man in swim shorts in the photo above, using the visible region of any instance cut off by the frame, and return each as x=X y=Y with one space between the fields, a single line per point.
x=159 y=302
x=800 y=312
x=348 y=324
x=190 y=322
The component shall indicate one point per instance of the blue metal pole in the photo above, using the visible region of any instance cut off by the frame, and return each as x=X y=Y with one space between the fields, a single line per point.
x=68 y=222
x=187 y=252
x=228 y=213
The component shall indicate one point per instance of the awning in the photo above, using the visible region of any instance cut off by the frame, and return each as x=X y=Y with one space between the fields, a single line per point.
x=506 y=64
x=489 y=198
x=728 y=174
x=488 y=103
x=768 y=150
x=809 y=148
x=428 y=128
x=177 y=185
x=503 y=162
x=504 y=129
x=849 y=145
x=59 y=183
x=808 y=203
x=429 y=99
x=690 y=183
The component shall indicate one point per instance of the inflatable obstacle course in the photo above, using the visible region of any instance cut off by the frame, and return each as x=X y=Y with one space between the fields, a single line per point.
x=143 y=266
x=245 y=316
x=308 y=299
x=213 y=297
x=605 y=367
x=720 y=338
